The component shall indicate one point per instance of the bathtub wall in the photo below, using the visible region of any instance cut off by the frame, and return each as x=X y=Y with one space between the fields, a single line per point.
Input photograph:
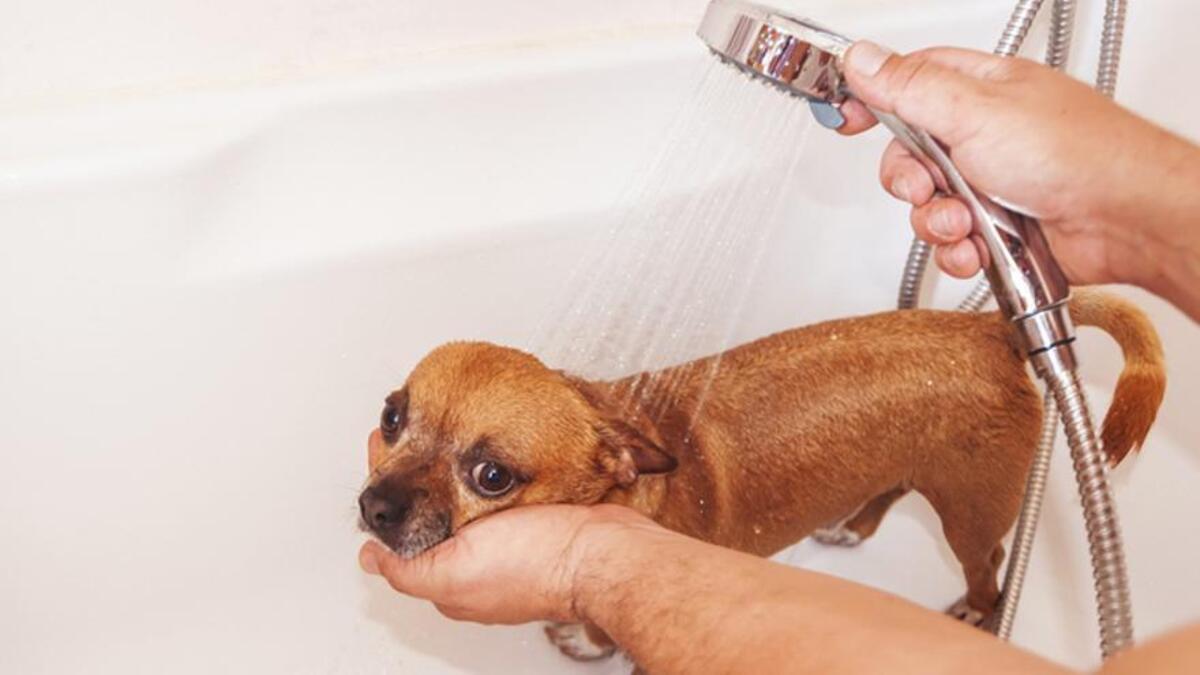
x=57 y=53
x=60 y=51
x=227 y=229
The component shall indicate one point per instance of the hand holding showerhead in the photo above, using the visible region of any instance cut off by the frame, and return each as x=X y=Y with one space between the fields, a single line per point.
x=1005 y=124
x=806 y=60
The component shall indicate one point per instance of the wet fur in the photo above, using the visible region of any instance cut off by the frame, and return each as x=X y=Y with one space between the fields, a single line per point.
x=803 y=429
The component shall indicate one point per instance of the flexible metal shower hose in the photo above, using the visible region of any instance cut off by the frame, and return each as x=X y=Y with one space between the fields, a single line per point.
x=1031 y=509
x=1062 y=28
x=1063 y=391
x=1110 y=47
x=1100 y=514
x=1058 y=49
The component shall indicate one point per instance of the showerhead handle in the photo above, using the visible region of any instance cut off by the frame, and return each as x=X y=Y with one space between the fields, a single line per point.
x=804 y=59
x=1028 y=283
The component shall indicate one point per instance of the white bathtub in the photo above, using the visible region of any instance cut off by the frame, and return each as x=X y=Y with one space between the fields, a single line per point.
x=205 y=295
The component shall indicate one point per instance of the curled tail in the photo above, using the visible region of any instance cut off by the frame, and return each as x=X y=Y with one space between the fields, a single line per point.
x=1143 y=380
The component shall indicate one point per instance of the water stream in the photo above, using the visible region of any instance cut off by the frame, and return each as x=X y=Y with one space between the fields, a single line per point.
x=667 y=282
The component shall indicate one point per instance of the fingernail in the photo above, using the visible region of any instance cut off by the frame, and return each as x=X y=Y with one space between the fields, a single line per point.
x=942 y=225
x=900 y=189
x=866 y=58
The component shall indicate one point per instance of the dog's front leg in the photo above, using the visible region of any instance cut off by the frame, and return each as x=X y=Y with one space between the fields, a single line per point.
x=582 y=642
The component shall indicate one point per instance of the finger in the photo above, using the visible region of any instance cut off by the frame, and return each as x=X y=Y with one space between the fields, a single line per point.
x=406 y=576
x=959 y=260
x=858 y=118
x=376 y=450
x=970 y=62
x=933 y=89
x=945 y=220
x=450 y=611
x=368 y=557
x=903 y=176
x=420 y=576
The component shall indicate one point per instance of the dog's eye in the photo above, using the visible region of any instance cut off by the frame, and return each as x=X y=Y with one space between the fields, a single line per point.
x=389 y=421
x=492 y=479
x=393 y=418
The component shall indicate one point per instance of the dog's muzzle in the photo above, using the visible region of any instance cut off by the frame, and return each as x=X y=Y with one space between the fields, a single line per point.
x=390 y=514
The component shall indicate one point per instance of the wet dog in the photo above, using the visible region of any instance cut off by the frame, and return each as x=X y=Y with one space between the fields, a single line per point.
x=814 y=430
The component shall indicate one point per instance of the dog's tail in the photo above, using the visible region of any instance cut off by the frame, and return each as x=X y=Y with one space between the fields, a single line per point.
x=1143 y=380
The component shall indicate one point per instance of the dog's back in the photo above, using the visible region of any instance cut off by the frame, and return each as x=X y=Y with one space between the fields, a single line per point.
x=799 y=429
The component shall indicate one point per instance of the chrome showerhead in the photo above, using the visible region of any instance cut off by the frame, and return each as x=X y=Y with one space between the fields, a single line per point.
x=795 y=55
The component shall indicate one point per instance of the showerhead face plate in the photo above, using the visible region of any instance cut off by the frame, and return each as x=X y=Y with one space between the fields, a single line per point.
x=793 y=54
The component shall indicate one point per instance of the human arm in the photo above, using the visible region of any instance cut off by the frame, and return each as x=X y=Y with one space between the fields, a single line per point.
x=1176 y=652
x=676 y=604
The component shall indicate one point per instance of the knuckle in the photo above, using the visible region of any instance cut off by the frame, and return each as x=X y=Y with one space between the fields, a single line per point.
x=910 y=75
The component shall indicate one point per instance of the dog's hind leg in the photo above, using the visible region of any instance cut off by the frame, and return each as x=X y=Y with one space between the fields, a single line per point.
x=977 y=605
x=866 y=521
x=974 y=524
x=859 y=527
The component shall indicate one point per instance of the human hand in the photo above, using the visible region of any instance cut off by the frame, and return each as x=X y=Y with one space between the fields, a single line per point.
x=1094 y=174
x=516 y=566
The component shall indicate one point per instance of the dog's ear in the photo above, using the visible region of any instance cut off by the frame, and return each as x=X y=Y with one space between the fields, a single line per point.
x=627 y=453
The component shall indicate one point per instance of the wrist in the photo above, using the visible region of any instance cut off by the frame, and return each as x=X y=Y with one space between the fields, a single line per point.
x=606 y=555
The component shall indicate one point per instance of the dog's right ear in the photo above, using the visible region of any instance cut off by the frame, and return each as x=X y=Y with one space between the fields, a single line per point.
x=627 y=453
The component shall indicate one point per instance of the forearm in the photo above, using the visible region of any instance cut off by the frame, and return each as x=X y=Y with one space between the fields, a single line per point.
x=1176 y=652
x=679 y=605
x=1152 y=216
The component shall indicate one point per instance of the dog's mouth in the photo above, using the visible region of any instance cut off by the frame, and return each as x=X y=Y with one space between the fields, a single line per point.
x=415 y=536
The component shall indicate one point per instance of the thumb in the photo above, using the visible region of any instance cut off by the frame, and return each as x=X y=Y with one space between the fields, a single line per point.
x=419 y=577
x=939 y=90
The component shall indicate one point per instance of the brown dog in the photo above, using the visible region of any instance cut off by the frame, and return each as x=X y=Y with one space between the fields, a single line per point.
x=815 y=426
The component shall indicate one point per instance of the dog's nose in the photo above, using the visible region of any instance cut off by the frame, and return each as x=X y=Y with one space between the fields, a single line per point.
x=381 y=510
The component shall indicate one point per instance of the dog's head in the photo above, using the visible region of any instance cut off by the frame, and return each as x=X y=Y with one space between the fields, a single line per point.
x=480 y=428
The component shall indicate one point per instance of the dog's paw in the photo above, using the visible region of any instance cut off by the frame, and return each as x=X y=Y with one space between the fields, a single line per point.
x=573 y=640
x=965 y=613
x=837 y=536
